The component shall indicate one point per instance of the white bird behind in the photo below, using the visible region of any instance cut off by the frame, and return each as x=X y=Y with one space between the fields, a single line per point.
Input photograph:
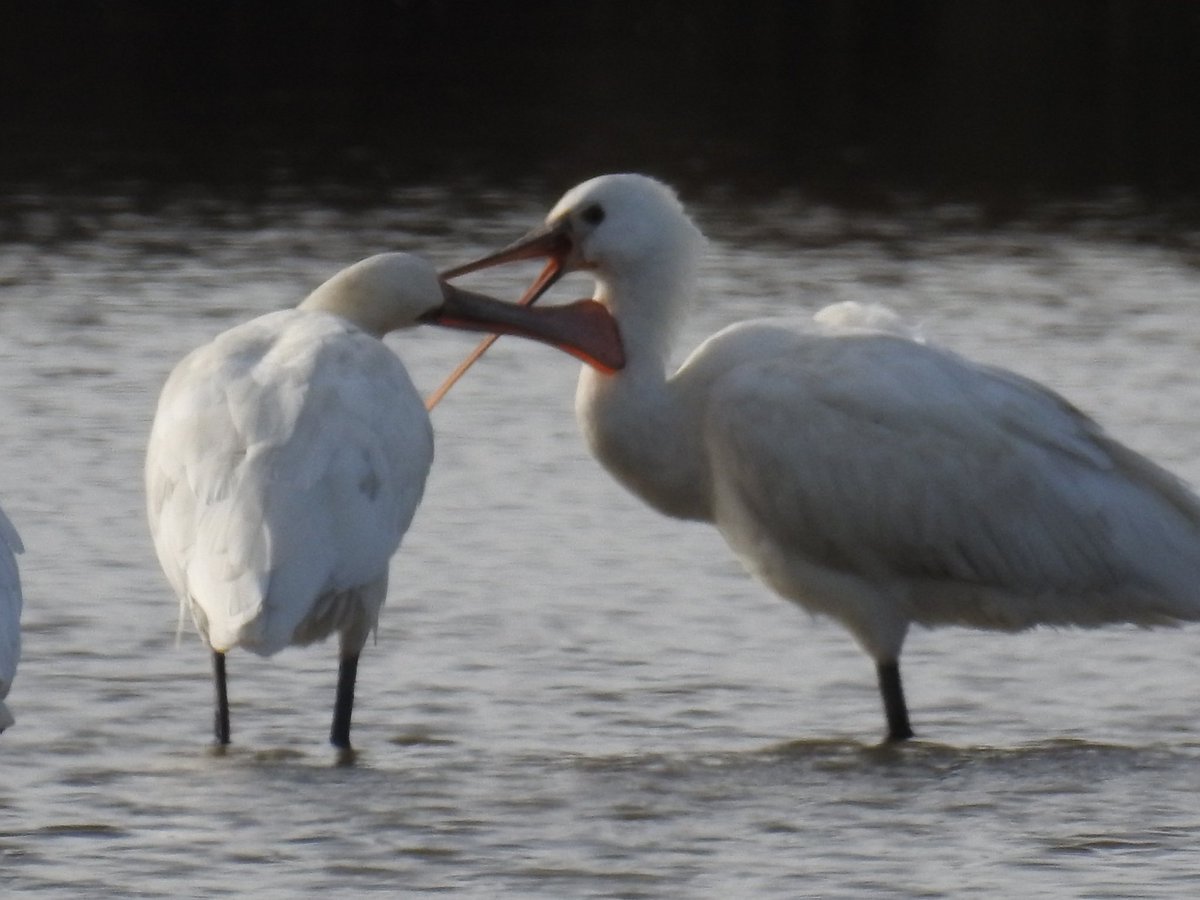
x=858 y=472
x=292 y=412
x=288 y=456
x=10 y=612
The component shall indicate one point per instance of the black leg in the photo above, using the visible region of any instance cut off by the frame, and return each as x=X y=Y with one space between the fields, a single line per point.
x=339 y=735
x=893 y=701
x=221 y=721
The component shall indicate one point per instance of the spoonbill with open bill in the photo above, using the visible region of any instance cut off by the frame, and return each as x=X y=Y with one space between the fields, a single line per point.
x=288 y=456
x=864 y=475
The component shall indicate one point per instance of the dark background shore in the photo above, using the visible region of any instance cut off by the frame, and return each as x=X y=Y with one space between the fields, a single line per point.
x=998 y=101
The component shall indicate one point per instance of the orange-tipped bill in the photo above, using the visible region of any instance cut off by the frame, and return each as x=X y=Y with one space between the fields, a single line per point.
x=585 y=329
x=551 y=244
x=548 y=242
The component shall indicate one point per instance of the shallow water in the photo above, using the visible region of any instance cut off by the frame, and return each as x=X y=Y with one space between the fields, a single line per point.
x=569 y=696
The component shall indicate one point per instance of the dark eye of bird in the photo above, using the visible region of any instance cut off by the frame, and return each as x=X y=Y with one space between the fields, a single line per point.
x=594 y=214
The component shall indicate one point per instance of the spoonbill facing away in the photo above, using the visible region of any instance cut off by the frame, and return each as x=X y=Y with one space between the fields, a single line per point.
x=10 y=612
x=861 y=474
x=287 y=458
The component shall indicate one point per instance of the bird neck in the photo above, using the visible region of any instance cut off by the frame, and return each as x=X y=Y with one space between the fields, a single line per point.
x=637 y=422
x=374 y=317
x=649 y=302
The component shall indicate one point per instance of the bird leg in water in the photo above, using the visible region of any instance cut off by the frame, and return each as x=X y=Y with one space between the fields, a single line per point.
x=221 y=721
x=343 y=705
x=894 y=706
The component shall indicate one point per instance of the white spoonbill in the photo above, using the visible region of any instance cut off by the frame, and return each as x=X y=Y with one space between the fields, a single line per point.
x=10 y=612
x=287 y=458
x=865 y=476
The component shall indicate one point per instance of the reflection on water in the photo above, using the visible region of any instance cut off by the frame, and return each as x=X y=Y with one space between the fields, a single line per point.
x=569 y=695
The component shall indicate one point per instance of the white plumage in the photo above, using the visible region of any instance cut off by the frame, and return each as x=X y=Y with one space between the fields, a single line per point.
x=294 y=412
x=10 y=612
x=852 y=317
x=857 y=471
x=288 y=456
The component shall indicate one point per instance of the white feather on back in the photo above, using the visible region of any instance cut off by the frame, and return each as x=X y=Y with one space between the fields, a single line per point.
x=286 y=462
x=969 y=494
x=852 y=317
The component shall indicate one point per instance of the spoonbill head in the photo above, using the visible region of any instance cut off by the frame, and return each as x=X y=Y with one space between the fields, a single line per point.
x=393 y=291
x=621 y=228
x=857 y=471
x=288 y=456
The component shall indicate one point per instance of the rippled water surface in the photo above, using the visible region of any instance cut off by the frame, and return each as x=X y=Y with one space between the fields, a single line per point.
x=570 y=696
